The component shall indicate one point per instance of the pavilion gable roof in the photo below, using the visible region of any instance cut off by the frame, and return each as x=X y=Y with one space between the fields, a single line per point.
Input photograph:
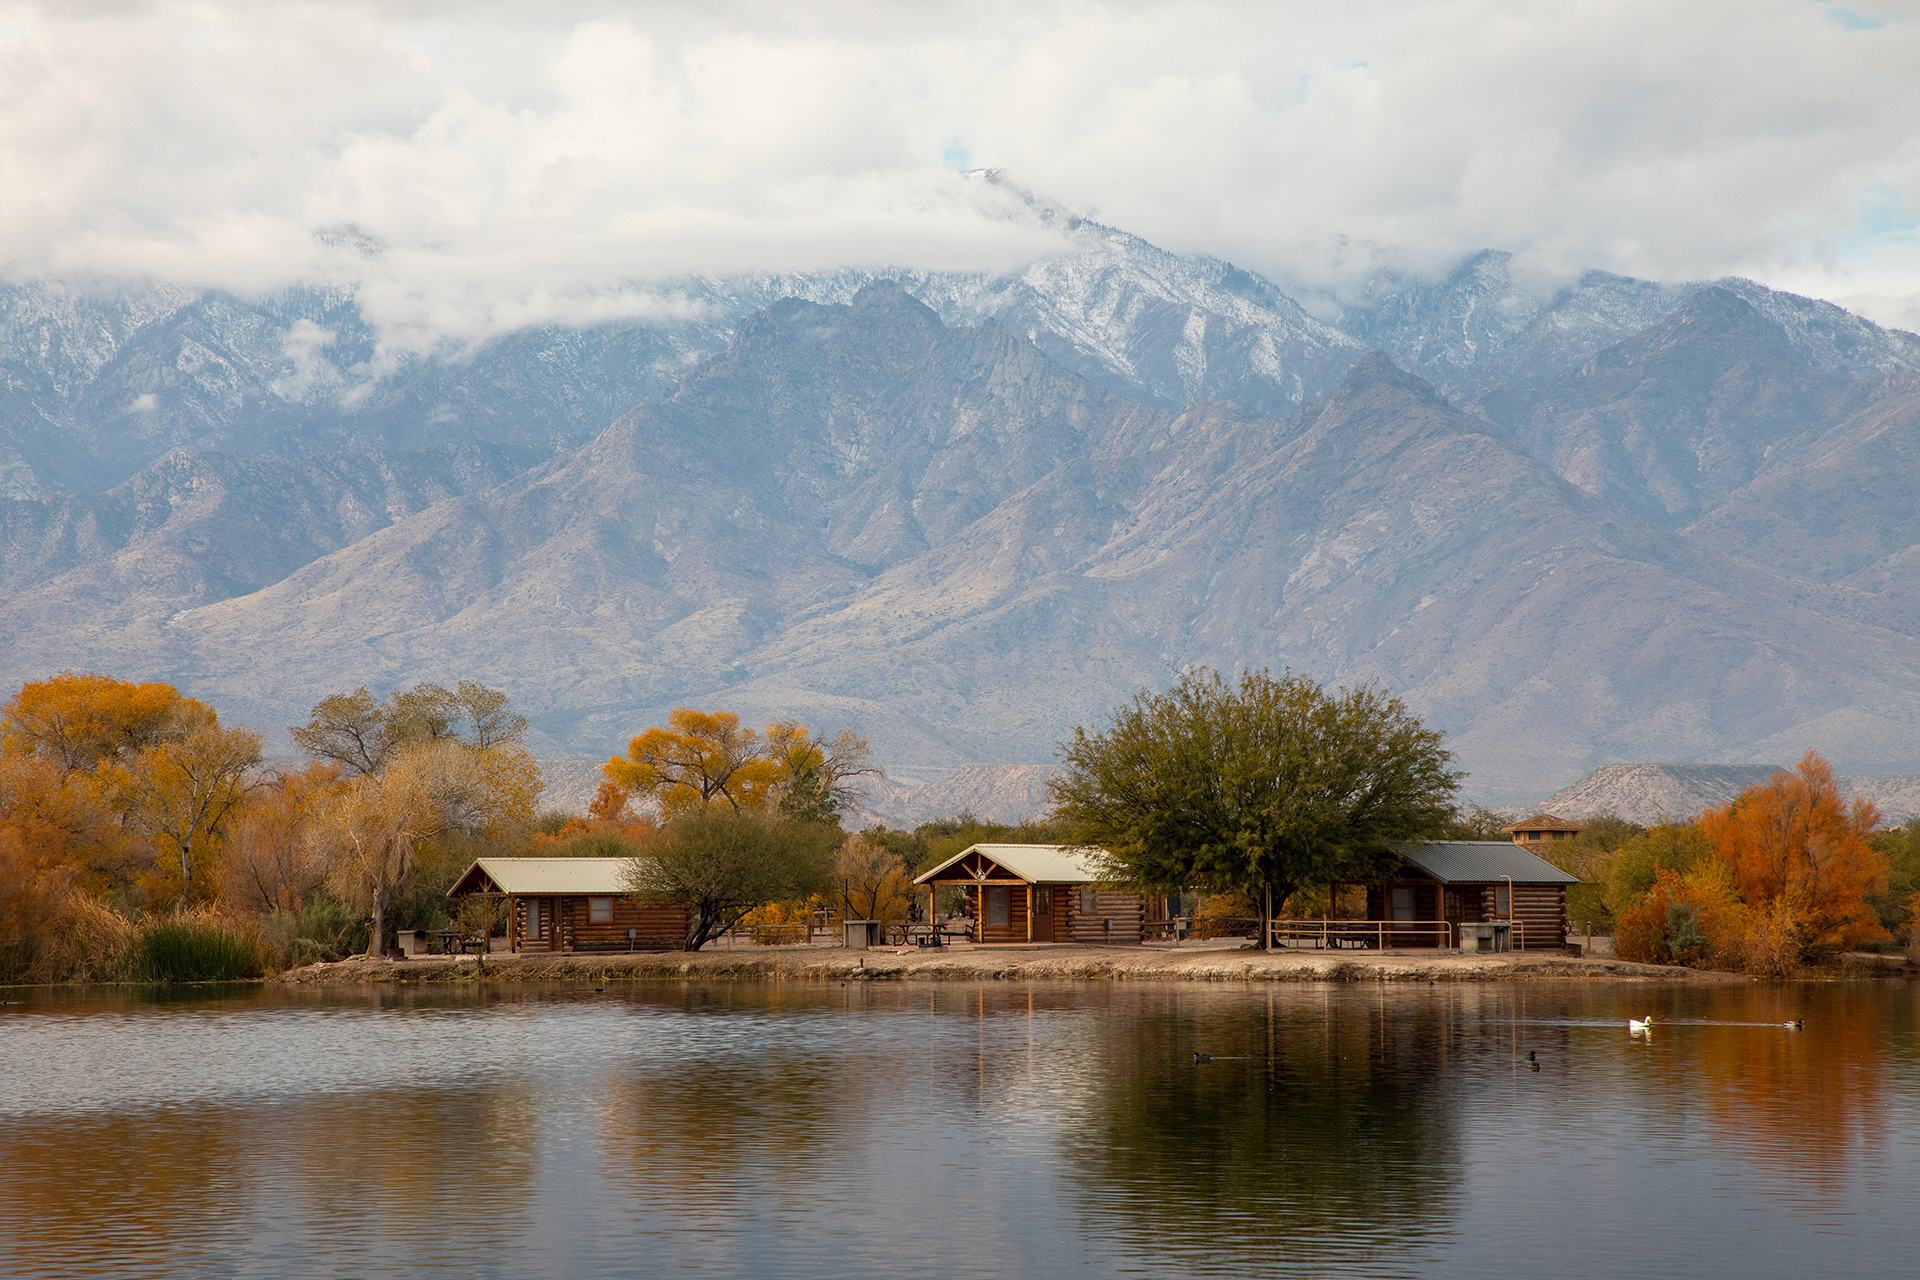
x=1034 y=863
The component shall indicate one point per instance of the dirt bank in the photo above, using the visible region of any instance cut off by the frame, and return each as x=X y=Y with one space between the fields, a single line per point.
x=1039 y=963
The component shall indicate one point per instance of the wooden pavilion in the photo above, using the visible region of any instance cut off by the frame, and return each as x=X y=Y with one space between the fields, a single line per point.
x=1038 y=893
x=573 y=904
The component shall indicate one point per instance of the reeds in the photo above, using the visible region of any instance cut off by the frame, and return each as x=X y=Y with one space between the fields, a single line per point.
x=71 y=937
x=198 y=946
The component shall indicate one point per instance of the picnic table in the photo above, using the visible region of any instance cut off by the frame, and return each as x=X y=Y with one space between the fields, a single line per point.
x=454 y=942
x=926 y=935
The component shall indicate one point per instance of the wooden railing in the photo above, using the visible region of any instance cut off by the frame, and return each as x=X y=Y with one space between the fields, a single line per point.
x=1379 y=934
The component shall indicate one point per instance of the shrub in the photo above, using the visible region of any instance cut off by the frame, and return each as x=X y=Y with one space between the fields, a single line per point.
x=1224 y=915
x=76 y=939
x=1690 y=918
x=198 y=946
x=781 y=923
x=321 y=928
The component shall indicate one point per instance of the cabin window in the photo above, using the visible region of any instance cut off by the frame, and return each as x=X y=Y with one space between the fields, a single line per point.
x=1043 y=902
x=1502 y=900
x=1401 y=898
x=600 y=910
x=533 y=917
x=1088 y=903
x=997 y=906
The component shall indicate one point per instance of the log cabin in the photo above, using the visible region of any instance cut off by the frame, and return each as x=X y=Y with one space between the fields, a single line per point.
x=1039 y=893
x=1541 y=830
x=574 y=904
x=1463 y=882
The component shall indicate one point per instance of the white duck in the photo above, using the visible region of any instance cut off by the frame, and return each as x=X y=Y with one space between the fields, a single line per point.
x=1640 y=1026
x=1798 y=1024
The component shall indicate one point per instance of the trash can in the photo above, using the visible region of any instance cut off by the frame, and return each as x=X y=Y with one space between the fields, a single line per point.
x=861 y=934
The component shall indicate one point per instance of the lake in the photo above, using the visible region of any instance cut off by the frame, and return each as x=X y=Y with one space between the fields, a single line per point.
x=959 y=1129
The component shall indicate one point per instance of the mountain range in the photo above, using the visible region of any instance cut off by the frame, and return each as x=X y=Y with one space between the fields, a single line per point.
x=1653 y=793
x=1572 y=522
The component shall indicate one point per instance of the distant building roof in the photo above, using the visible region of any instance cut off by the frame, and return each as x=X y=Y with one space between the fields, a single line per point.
x=1034 y=863
x=545 y=875
x=1543 y=822
x=1483 y=862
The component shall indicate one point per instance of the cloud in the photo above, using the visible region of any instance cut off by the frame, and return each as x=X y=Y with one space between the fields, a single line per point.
x=518 y=164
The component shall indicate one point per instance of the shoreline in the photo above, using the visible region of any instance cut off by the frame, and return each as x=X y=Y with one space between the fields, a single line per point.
x=1005 y=964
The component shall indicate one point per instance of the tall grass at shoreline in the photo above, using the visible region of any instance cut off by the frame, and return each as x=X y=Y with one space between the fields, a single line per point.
x=197 y=946
x=85 y=941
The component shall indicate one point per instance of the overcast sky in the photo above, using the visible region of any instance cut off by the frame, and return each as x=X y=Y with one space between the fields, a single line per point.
x=535 y=165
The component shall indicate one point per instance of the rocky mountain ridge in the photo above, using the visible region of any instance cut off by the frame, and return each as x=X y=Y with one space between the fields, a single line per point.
x=1574 y=523
x=1655 y=793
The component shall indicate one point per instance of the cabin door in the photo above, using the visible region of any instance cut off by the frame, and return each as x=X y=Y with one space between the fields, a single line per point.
x=541 y=926
x=1042 y=913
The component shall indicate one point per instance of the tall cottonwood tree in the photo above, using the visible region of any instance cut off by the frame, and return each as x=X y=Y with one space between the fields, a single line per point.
x=81 y=721
x=265 y=862
x=372 y=834
x=183 y=793
x=702 y=758
x=361 y=733
x=1263 y=787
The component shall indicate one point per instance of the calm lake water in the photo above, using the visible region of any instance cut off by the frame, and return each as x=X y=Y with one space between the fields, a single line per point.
x=959 y=1129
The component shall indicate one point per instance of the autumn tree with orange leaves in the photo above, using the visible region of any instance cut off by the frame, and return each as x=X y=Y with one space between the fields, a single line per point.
x=1785 y=872
x=1794 y=843
x=700 y=759
x=158 y=761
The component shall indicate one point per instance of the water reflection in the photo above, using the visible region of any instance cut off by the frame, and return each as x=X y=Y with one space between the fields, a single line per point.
x=1306 y=1139
x=807 y=1130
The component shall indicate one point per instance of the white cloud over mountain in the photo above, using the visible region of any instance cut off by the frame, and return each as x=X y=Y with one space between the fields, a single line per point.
x=515 y=164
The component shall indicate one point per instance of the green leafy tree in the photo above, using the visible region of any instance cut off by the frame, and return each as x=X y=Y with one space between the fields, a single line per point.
x=1474 y=822
x=1262 y=787
x=1634 y=866
x=723 y=862
x=1900 y=846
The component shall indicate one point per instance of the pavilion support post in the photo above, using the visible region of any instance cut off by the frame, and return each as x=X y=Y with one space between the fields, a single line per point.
x=1029 y=913
x=1266 y=922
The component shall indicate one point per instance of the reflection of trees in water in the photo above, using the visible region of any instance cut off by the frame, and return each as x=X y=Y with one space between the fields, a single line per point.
x=348 y=1177
x=377 y=1166
x=742 y=1117
x=1311 y=1141
x=1801 y=1108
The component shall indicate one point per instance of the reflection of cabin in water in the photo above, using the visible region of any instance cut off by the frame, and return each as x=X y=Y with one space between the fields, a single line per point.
x=573 y=904
x=1464 y=882
x=1039 y=893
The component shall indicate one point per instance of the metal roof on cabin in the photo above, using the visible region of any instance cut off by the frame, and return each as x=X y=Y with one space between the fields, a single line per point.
x=1483 y=862
x=554 y=875
x=1543 y=822
x=1035 y=863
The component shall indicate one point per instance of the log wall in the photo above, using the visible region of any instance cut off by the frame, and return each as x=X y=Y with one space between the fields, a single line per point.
x=658 y=927
x=1125 y=909
x=1539 y=909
